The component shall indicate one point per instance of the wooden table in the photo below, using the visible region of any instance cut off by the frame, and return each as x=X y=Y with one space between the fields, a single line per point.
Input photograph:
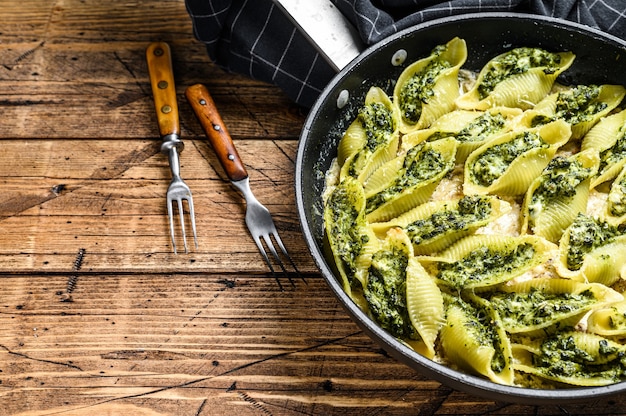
x=138 y=330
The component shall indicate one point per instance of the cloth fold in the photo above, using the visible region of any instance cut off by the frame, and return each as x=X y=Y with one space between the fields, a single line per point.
x=254 y=37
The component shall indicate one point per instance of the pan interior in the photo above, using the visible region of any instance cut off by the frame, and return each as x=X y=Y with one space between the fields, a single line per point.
x=600 y=59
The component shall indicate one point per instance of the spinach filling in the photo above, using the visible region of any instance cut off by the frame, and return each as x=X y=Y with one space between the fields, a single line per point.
x=378 y=124
x=526 y=310
x=419 y=88
x=615 y=153
x=585 y=235
x=494 y=161
x=377 y=121
x=516 y=62
x=471 y=209
x=558 y=180
x=617 y=198
x=420 y=164
x=386 y=292
x=562 y=357
x=483 y=263
x=574 y=106
x=480 y=128
x=480 y=326
x=346 y=229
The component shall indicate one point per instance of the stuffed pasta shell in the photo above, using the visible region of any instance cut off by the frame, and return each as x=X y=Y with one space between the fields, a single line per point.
x=608 y=321
x=581 y=107
x=433 y=226
x=473 y=339
x=426 y=89
x=608 y=138
x=507 y=164
x=425 y=306
x=351 y=241
x=615 y=209
x=575 y=358
x=409 y=180
x=518 y=78
x=482 y=261
x=558 y=195
x=591 y=250
x=385 y=289
x=469 y=128
x=540 y=303
x=371 y=139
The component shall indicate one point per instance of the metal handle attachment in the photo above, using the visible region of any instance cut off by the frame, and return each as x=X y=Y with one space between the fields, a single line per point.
x=328 y=30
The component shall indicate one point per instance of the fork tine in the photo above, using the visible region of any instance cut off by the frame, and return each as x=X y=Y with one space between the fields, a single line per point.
x=193 y=221
x=182 y=222
x=286 y=253
x=267 y=259
x=270 y=245
x=170 y=215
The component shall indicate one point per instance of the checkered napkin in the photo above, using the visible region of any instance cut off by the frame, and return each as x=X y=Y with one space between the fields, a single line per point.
x=255 y=38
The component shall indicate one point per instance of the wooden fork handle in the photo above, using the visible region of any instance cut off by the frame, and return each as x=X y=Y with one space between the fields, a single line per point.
x=215 y=129
x=159 y=59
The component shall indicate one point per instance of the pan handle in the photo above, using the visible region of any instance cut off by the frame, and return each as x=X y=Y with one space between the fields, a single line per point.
x=328 y=30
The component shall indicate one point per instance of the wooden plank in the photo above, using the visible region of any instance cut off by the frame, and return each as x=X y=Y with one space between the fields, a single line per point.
x=207 y=344
x=88 y=57
x=60 y=196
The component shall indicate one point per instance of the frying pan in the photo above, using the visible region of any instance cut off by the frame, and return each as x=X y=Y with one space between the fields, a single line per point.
x=600 y=58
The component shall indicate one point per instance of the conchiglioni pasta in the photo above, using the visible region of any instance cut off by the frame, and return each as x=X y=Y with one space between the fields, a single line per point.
x=472 y=339
x=517 y=78
x=591 y=250
x=559 y=194
x=480 y=230
x=615 y=210
x=547 y=302
x=427 y=88
x=411 y=180
x=351 y=240
x=371 y=139
x=507 y=164
x=433 y=226
x=575 y=358
x=581 y=106
x=608 y=138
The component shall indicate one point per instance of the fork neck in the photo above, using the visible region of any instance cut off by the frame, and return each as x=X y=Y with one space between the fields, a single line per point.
x=172 y=146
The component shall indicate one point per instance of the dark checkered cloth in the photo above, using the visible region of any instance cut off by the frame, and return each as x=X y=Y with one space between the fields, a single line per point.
x=255 y=38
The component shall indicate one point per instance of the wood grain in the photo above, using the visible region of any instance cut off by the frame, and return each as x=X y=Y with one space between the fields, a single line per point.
x=137 y=330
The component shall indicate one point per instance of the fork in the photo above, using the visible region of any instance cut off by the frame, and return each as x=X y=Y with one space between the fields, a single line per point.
x=159 y=59
x=258 y=218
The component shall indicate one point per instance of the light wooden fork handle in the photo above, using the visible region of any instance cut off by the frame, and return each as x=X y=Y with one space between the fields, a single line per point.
x=159 y=59
x=215 y=129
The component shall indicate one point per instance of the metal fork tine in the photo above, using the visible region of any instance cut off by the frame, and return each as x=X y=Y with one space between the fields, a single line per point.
x=193 y=221
x=270 y=245
x=181 y=214
x=170 y=216
x=267 y=259
x=286 y=253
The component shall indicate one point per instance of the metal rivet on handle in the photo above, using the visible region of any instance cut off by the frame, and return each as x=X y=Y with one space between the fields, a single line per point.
x=162 y=85
x=231 y=157
x=158 y=51
x=343 y=98
x=166 y=109
x=216 y=127
x=399 y=57
x=202 y=102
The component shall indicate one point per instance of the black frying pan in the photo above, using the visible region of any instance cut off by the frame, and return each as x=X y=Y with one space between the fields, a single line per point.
x=600 y=59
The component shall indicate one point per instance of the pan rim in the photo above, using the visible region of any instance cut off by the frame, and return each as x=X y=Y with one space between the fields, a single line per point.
x=439 y=372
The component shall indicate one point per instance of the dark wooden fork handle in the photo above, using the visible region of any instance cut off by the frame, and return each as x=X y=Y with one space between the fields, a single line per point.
x=215 y=129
